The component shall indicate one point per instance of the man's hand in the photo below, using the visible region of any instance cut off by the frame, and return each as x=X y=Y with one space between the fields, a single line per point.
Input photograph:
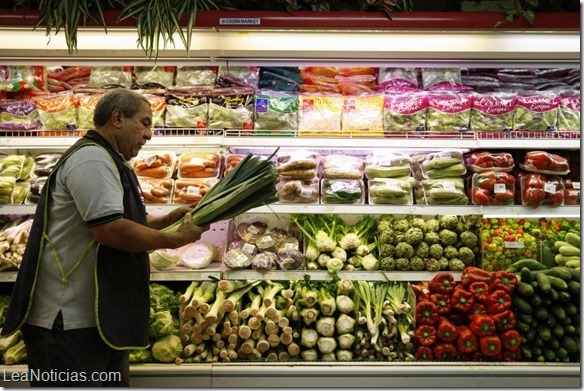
x=178 y=213
x=191 y=232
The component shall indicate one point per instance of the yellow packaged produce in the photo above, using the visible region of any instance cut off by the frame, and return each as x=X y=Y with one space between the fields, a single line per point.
x=319 y=114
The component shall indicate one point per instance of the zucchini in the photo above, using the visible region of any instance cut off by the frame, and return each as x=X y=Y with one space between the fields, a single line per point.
x=573 y=239
x=558 y=283
x=544 y=282
x=565 y=296
x=527 y=318
x=525 y=275
x=524 y=289
x=529 y=263
x=575 y=274
x=574 y=287
x=569 y=344
x=540 y=312
x=561 y=272
x=573 y=263
x=559 y=243
x=561 y=352
x=569 y=251
x=521 y=304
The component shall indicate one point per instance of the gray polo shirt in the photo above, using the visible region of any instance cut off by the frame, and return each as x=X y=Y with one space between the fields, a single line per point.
x=86 y=192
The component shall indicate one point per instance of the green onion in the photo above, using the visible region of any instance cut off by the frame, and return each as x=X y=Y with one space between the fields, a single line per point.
x=252 y=183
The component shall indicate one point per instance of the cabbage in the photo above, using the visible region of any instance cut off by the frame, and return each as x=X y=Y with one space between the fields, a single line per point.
x=167 y=349
x=164 y=259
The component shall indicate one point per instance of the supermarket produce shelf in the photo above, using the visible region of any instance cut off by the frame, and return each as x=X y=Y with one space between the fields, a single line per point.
x=181 y=273
x=353 y=374
x=284 y=275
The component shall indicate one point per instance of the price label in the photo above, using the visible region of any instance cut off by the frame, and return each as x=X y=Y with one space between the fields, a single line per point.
x=514 y=245
x=241 y=258
x=336 y=186
x=248 y=248
x=290 y=246
x=549 y=188
x=266 y=240
x=146 y=187
x=449 y=186
x=253 y=229
x=500 y=188
x=150 y=159
x=193 y=190
x=576 y=185
x=306 y=193
x=197 y=161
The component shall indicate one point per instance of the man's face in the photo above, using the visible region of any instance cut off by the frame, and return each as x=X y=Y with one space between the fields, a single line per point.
x=135 y=131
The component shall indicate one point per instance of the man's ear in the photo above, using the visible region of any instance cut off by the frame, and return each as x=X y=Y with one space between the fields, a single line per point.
x=118 y=118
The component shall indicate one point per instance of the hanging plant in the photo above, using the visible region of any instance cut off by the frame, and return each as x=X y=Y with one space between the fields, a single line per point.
x=158 y=20
x=68 y=15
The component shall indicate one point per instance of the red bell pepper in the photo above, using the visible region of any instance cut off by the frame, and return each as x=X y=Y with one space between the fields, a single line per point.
x=480 y=291
x=490 y=346
x=481 y=196
x=533 y=197
x=442 y=302
x=471 y=274
x=503 y=280
x=485 y=180
x=424 y=353
x=504 y=320
x=447 y=331
x=467 y=342
x=507 y=179
x=426 y=335
x=445 y=351
x=498 y=301
x=442 y=283
x=462 y=300
x=482 y=325
x=511 y=339
x=481 y=159
x=506 y=197
x=426 y=313
x=503 y=160
x=511 y=355
x=538 y=160
x=478 y=308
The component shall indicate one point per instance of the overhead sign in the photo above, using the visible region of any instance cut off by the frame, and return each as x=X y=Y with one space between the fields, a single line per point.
x=243 y=21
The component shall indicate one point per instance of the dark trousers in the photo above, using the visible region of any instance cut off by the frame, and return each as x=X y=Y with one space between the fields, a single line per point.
x=74 y=358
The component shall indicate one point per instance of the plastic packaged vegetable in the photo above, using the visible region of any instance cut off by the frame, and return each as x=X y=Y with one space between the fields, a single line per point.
x=19 y=115
x=163 y=75
x=275 y=112
x=238 y=76
x=387 y=165
x=572 y=191
x=231 y=108
x=442 y=191
x=299 y=164
x=156 y=191
x=199 y=165
x=448 y=111
x=319 y=114
x=441 y=77
x=363 y=115
x=342 y=167
x=536 y=111
x=488 y=161
x=405 y=112
x=492 y=112
x=394 y=191
x=104 y=76
x=186 y=108
x=22 y=78
x=190 y=191
x=57 y=111
x=545 y=163
x=540 y=189
x=154 y=164
x=493 y=188
x=443 y=164
x=196 y=75
x=85 y=107
x=569 y=112
x=342 y=191
x=298 y=191
x=391 y=79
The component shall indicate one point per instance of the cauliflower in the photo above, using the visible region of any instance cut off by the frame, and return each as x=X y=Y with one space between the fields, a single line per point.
x=417 y=264
x=432 y=225
x=448 y=222
x=404 y=250
x=386 y=236
x=436 y=251
x=402 y=264
x=418 y=222
x=450 y=252
x=469 y=239
x=423 y=250
x=401 y=225
x=414 y=236
x=386 y=250
x=432 y=265
x=466 y=255
x=448 y=237
x=456 y=265
x=387 y=264
x=444 y=263
x=431 y=238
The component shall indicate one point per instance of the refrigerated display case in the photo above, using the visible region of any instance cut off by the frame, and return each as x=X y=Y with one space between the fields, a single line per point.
x=239 y=46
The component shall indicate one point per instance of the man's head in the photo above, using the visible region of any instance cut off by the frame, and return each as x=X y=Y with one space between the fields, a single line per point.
x=124 y=118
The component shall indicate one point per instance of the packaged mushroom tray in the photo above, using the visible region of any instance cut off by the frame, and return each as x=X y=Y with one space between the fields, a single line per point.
x=299 y=181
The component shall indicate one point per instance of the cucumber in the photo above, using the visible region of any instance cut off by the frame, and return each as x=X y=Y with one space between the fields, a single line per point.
x=550 y=321
x=571 y=309
x=535 y=299
x=549 y=354
x=524 y=289
x=540 y=312
x=558 y=312
x=524 y=317
x=569 y=344
x=575 y=274
x=565 y=296
x=530 y=336
x=561 y=352
x=553 y=343
x=544 y=282
x=522 y=327
x=569 y=251
x=573 y=263
x=561 y=260
x=529 y=263
x=574 y=287
x=547 y=257
x=573 y=239
x=561 y=272
x=560 y=243
x=527 y=353
x=570 y=330
x=558 y=331
x=525 y=275
x=554 y=295
x=521 y=304
x=558 y=283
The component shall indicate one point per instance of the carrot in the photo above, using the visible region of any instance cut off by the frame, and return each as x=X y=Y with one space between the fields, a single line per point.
x=157 y=172
x=142 y=165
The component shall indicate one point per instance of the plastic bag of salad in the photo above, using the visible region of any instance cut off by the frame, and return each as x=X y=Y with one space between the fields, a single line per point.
x=319 y=114
x=405 y=112
x=85 y=107
x=57 y=111
x=569 y=113
x=186 y=108
x=163 y=75
x=492 y=112
x=448 y=111
x=196 y=76
x=536 y=111
x=117 y=76
x=433 y=78
x=22 y=78
x=158 y=105
x=363 y=115
x=19 y=115
x=238 y=76
x=275 y=111
x=391 y=79
x=231 y=108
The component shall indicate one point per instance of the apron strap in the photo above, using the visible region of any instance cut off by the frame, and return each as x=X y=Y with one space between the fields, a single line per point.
x=65 y=276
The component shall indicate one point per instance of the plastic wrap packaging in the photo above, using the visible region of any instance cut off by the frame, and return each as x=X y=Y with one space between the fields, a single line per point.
x=7 y=185
x=572 y=191
x=342 y=191
x=448 y=111
x=299 y=164
x=319 y=114
x=34 y=193
x=231 y=108
x=27 y=167
x=298 y=191
x=17 y=78
x=391 y=191
x=442 y=191
x=110 y=76
x=363 y=115
x=190 y=191
x=186 y=108
x=275 y=111
x=492 y=112
x=405 y=112
x=196 y=75
x=433 y=78
x=85 y=108
x=57 y=111
x=536 y=111
x=155 y=164
x=342 y=167
x=156 y=191
x=280 y=79
x=387 y=165
x=12 y=165
x=398 y=79
x=493 y=188
x=238 y=76
x=199 y=165
x=540 y=189
x=357 y=84
x=545 y=163
x=569 y=112
x=488 y=161
x=443 y=165
x=44 y=164
x=231 y=161
x=19 y=115
x=163 y=75
x=158 y=106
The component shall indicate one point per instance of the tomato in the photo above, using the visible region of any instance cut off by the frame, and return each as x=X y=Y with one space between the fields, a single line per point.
x=571 y=196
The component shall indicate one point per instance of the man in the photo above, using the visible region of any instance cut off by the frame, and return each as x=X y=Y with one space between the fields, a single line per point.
x=81 y=297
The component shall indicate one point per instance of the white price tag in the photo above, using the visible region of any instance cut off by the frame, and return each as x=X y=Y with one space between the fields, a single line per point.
x=241 y=258
x=248 y=248
x=549 y=188
x=514 y=245
x=197 y=161
x=306 y=193
x=336 y=186
x=576 y=185
x=150 y=159
x=146 y=187
x=267 y=240
x=290 y=246
x=500 y=188
x=449 y=186
x=253 y=229
x=193 y=190
x=385 y=162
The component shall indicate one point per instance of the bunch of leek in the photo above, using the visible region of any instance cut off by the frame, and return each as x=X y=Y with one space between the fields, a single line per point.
x=252 y=183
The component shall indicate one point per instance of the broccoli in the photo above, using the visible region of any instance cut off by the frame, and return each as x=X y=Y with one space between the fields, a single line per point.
x=448 y=222
x=432 y=265
x=386 y=236
x=417 y=264
x=436 y=251
x=448 y=237
x=387 y=264
x=402 y=264
x=414 y=236
x=466 y=255
x=423 y=250
x=431 y=238
x=444 y=263
x=469 y=239
x=404 y=250
x=456 y=265
x=386 y=250
x=418 y=222
x=432 y=225
x=450 y=252
x=140 y=356
x=401 y=225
